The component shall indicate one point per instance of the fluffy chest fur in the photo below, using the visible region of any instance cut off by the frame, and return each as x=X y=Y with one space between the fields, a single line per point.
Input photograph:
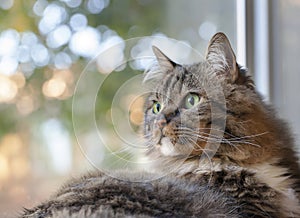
x=262 y=190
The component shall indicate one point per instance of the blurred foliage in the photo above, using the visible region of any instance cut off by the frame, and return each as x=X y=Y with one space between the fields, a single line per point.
x=128 y=18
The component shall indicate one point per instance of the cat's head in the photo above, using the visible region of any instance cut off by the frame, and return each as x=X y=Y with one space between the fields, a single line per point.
x=179 y=118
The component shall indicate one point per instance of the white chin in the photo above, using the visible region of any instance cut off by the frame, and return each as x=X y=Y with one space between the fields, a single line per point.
x=167 y=148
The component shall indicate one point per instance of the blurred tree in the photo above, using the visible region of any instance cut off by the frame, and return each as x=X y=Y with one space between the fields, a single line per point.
x=43 y=31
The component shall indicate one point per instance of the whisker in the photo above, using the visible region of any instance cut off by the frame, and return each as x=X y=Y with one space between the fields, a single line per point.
x=224 y=140
x=234 y=142
x=225 y=132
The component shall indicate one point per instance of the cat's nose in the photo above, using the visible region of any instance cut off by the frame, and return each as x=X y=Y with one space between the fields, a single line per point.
x=170 y=115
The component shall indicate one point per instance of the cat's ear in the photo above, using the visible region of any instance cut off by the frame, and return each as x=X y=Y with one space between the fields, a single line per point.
x=165 y=63
x=221 y=56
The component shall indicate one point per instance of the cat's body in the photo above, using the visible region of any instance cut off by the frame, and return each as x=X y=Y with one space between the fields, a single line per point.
x=99 y=195
x=210 y=109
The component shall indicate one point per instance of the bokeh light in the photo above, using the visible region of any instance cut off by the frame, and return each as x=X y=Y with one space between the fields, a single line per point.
x=8 y=65
x=19 y=79
x=23 y=54
x=6 y=4
x=78 y=22
x=59 y=36
x=111 y=54
x=40 y=55
x=9 y=40
x=136 y=110
x=65 y=36
x=39 y=7
x=73 y=3
x=85 y=42
x=143 y=56
x=25 y=105
x=12 y=161
x=207 y=29
x=58 y=145
x=8 y=90
x=62 y=61
x=54 y=87
x=53 y=15
x=96 y=6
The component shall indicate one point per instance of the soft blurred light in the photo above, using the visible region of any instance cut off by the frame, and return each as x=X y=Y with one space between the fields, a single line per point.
x=143 y=56
x=9 y=41
x=54 y=87
x=18 y=192
x=136 y=111
x=73 y=3
x=106 y=32
x=53 y=15
x=78 y=22
x=58 y=37
x=40 y=55
x=23 y=54
x=8 y=89
x=62 y=61
x=85 y=42
x=4 y=168
x=27 y=68
x=39 y=7
x=94 y=152
x=19 y=79
x=66 y=75
x=139 y=54
x=111 y=55
x=11 y=144
x=207 y=29
x=25 y=105
x=136 y=117
x=58 y=143
x=96 y=6
x=8 y=65
x=29 y=39
x=6 y=4
x=19 y=167
x=12 y=156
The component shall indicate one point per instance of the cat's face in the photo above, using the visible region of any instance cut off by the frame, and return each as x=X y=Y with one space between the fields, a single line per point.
x=178 y=112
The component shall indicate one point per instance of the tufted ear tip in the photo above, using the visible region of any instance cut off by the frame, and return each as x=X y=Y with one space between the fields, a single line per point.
x=219 y=35
x=165 y=63
x=220 y=54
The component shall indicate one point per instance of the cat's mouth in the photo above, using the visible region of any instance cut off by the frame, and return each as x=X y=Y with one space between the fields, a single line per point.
x=170 y=148
x=167 y=147
x=168 y=143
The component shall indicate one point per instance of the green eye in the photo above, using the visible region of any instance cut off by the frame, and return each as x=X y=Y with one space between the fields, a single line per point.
x=191 y=100
x=156 y=108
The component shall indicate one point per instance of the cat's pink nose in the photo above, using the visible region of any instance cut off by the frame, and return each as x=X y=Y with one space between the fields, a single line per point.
x=161 y=123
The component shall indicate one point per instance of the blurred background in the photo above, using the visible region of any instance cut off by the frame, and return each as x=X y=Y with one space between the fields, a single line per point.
x=45 y=45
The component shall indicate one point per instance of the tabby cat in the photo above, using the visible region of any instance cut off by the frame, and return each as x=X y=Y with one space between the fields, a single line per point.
x=228 y=153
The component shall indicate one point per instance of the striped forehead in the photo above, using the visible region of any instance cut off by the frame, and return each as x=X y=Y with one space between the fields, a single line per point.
x=175 y=85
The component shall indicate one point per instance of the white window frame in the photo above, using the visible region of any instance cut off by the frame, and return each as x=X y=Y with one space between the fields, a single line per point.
x=253 y=40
